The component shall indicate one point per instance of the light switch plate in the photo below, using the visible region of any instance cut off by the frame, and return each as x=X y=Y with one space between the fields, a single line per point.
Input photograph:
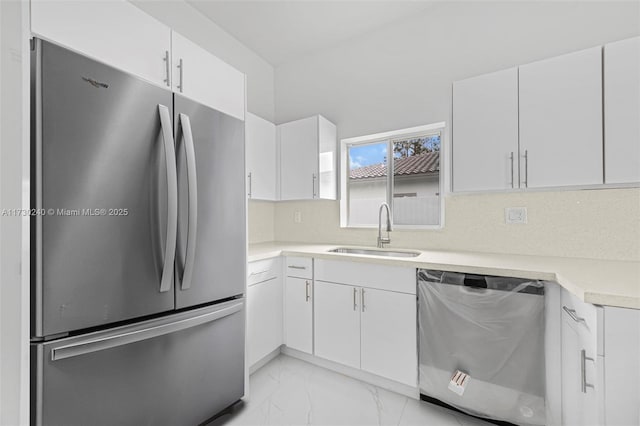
x=515 y=215
x=297 y=217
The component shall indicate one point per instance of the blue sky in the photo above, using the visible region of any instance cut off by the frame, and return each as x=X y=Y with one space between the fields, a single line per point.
x=365 y=155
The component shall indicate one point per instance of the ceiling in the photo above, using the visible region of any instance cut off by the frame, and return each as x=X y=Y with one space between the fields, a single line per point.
x=281 y=31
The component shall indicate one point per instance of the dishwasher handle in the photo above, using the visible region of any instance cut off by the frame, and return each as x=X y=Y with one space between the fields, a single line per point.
x=475 y=281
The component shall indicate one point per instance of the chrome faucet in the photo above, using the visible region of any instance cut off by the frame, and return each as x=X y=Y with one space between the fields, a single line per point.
x=386 y=240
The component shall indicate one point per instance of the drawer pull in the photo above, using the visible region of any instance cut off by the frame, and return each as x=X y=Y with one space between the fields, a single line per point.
x=259 y=272
x=362 y=297
x=583 y=370
x=296 y=267
x=572 y=314
x=355 y=304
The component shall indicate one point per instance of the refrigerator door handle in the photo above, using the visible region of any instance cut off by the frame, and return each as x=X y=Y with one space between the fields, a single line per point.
x=172 y=198
x=100 y=344
x=192 y=179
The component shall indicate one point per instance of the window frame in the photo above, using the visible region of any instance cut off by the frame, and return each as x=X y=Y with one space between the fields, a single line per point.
x=389 y=138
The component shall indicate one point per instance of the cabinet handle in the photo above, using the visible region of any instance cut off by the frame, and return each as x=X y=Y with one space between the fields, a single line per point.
x=259 y=272
x=296 y=267
x=313 y=185
x=167 y=67
x=583 y=370
x=181 y=67
x=249 y=176
x=572 y=314
x=362 y=301
x=306 y=291
x=511 y=158
x=526 y=168
x=355 y=304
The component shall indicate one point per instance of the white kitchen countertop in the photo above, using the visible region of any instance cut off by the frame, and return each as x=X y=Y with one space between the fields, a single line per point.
x=601 y=282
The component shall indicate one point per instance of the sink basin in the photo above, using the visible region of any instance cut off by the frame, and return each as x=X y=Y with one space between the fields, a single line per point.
x=374 y=252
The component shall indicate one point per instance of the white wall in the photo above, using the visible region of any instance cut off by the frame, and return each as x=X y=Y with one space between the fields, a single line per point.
x=192 y=24
x=14 y=279
x=401 y=76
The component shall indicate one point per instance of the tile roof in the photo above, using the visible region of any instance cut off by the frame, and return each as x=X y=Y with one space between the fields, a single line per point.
x=429 y=162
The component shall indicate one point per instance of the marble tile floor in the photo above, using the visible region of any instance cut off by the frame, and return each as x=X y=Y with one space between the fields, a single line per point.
x=288 y=391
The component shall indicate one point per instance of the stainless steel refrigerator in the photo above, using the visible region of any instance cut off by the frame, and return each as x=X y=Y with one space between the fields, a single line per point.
x=138 y=249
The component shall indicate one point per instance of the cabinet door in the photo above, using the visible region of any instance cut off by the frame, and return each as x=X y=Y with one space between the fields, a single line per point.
x=201 y=76
x=622 y=366
x=264 y=319
x=622 y=111
x=298 y=314
x=299 y=159
x=388 y=335
x=337 y=323
x=561 y=120
x=261 y=158
x=579 y=403
x=113 y=32
x=485 y=132
x=327 y=186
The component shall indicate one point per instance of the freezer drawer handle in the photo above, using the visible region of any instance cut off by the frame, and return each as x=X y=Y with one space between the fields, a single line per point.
x=96 y=345
x=192 y=178
x=172 y=199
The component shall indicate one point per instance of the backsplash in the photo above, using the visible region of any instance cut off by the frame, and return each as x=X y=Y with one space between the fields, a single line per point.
x=261 y=216
x=598 y=224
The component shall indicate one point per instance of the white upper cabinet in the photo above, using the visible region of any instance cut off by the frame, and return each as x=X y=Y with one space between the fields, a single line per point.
x=260 y=137
x=199 y=75
x=485 y=132
x=307 y=159
x=622 y=111
x=114 y=32
x=561 y=120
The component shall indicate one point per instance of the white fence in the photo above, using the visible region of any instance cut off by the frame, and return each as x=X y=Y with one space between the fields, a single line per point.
x=406 y=211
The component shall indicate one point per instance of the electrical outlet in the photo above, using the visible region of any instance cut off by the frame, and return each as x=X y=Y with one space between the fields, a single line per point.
x=297 y=217
x=515 y=215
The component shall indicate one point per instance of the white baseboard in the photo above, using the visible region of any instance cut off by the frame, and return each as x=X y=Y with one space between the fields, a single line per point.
x=265 y=360
x=411 y=392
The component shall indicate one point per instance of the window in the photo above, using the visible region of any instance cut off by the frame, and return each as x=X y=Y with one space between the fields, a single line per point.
x=410 y=183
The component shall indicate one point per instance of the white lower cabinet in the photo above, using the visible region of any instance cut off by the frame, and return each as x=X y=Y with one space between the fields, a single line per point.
x=582 y=388
x=388 y=335
x=365 y=326
x=600 y=364
x=264 y=309
x=298 y=314
x=337 y=323
x=264 y=319
x=621 y=366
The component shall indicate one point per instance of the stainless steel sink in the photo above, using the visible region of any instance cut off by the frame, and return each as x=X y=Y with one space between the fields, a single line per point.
x=373 y=252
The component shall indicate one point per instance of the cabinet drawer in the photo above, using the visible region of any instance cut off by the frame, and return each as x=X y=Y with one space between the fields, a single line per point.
x=301 y=267
x=585 y=319
x=263 y=270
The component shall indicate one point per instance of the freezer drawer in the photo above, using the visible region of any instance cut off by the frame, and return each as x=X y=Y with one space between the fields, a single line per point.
x=177 y=370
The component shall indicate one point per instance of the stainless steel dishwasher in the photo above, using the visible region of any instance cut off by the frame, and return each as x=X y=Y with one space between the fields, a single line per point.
x=482 y=345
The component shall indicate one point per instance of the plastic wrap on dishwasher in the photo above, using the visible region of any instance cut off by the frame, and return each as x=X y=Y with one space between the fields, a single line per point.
x=491 y=329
